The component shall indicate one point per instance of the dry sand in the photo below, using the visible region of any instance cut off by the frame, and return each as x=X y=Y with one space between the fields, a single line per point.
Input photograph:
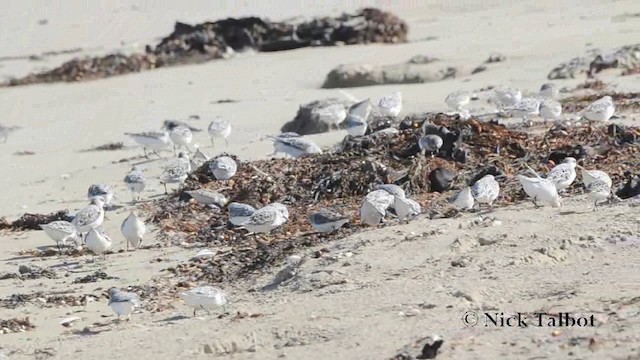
x=385 y=287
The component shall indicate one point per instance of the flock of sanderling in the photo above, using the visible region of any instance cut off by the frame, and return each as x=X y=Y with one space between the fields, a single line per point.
x=386 y=200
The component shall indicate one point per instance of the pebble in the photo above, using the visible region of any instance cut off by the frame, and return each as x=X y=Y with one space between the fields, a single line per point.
x=484 y=241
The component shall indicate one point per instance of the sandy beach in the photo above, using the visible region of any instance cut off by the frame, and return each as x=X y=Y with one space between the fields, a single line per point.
x=379 y=289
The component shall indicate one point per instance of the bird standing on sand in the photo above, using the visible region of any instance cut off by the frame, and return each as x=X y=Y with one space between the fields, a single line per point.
x=600 y=110
x=136 y=182
x=464 y=199
x=219 y=128
x=540 y=190
x=133 y=229
x=5 y=131
x=89 y=217
x=205 y=298
x=563 y=174
x=102 y=190
x=153 y=140
x=60 y=232
x=122 y=302
x=98 y=241
x=181 y=136
x=325 y=220
x=525 y=109
x=485 y=190
x=589 y=176
x=507 y=97
x=598 y=190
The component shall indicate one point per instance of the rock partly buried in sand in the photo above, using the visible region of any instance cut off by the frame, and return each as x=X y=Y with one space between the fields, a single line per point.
x=354 y=75
x=626 y=58
x=307 y=120
x=192 y=44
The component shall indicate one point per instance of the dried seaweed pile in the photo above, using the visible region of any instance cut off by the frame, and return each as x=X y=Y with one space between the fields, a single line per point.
x=16 y=325
x=33 y=221
x=340 y=179
x=189 y=44
x=625 y=58
x=44 y=300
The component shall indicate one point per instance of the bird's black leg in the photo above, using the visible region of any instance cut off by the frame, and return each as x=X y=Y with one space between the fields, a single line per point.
x=145 y=153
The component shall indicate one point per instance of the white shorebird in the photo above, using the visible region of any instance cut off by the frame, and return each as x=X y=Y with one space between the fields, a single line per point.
x=549 y=91
x=219 y=128
x=406 y=208
x=155 y=141
x=175 y=172
x=240 y=213
x=357 y=116
x=198 y=159
x=122 y=302
x=525 y=108
x=391 y=105
x=485 y=190
x=374 y=207
x=540 y=190
x=181 y=136
x=550 y=109
x=589 y=176
x=563 y=174
x=332 y=115
x=136 y=182
x=280 y=207
x=60 y=231
x=98 y=241
x=101 y=190
x=464 y=199
x=600 y=110
x=507 y=97
x=205 y=298
x=208 y=197
x=325 y=220
x=294 y=146
x=392 y=189
x=430 y=144
x=133 y=229
x=89 y=217
x=457 y=100
x=223 y=168
x=598 y=190
x=266 y=219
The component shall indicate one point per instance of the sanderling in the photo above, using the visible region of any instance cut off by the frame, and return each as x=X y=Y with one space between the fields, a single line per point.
x=198 y=159
x=525 y=108
x=266 y=219
x=507 y=97
x=392 y=189
x=240 y=213
x=205 y=298
x=464 y=199
x=589 y=176
x=600 y=110
x=391 y=105
x=135 y=182
x=332 y=115
x=98 y=241
x=280 y=207
x=540 y=190
x=598 y=190
x=89 y=217
x=563 y=174
x=406 y=207
x=325 y=220
x=208 y=197
x=550 y=109
x=60 y=232
x=123 y=302
x=181 y=136
x=295 y=146
x=485 y=190
x=223 y=168
x=153 y=140
x=549 y=91
x=219 y=128
x=101 y=190
x=175 y=173
x=133 y=229
x=430 y=144
x=357 y=117
x=170 y=124
x=374 y=207
x=458 y=100
x=5 y=131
